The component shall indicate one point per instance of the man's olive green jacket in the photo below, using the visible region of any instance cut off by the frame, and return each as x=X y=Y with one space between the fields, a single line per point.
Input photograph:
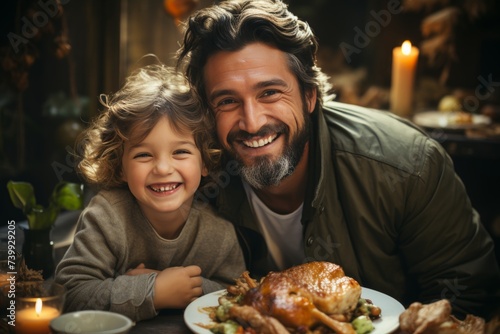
x=384 y=202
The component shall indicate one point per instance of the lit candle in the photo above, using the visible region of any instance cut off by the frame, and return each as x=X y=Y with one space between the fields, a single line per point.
x=404 y=63
x=35 y=320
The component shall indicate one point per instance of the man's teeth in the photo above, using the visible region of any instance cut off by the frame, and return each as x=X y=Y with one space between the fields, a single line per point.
x=165 y=188
x=260 y=142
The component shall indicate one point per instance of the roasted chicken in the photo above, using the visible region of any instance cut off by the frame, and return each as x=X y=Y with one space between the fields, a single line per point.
x=305 y=296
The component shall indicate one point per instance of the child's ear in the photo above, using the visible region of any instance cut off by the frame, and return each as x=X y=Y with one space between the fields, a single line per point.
x=123 y=176
x=204 y=171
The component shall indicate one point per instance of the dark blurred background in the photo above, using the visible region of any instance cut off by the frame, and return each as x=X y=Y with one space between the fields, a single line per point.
x=56 y=57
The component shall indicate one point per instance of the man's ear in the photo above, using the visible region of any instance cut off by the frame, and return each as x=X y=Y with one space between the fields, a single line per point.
x=311 y=97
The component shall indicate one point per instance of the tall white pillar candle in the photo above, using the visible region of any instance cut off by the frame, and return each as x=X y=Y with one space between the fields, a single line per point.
x=404 y=63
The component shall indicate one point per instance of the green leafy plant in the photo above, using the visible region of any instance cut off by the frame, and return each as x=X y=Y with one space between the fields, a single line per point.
x=66 y=195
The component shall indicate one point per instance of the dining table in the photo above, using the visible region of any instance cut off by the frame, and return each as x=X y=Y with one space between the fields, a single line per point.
x=166 y=322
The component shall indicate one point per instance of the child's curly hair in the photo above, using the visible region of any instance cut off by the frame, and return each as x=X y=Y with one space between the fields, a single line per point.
x=150 y=93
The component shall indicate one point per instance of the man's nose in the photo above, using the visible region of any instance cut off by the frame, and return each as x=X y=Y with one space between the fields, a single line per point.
x=252 y=117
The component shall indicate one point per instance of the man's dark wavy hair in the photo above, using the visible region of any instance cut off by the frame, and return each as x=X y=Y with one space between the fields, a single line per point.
x=233 y=24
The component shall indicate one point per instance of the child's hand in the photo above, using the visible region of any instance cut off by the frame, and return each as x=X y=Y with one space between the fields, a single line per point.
x=139 y=270
x=176 y=287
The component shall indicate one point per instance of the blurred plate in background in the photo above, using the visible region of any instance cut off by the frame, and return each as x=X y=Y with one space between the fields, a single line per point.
x=450 y=120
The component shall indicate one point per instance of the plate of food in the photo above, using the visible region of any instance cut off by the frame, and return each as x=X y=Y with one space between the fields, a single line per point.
x=457 y=120
x=203 y=316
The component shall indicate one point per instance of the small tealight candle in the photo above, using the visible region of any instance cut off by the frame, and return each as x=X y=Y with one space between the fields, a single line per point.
x=37 y=303
x=35 y=320
x=404 y=63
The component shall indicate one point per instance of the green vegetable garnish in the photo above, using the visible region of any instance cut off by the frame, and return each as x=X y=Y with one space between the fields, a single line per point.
x=228 y=327
x=222 y=312
x=362 y=325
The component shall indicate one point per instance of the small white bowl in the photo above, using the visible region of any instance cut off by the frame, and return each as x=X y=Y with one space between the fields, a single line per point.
x=97 y=322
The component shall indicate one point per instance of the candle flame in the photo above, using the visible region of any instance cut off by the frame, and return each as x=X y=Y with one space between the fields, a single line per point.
x=38 y=306
x=406 y=48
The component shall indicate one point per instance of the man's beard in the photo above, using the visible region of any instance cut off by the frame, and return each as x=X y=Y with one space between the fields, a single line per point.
x=266 y=171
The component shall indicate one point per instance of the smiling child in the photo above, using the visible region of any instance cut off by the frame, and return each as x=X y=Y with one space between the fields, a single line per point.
x=144 y=243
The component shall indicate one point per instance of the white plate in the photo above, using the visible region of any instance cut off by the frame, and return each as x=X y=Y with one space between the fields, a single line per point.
x=391 y=309
x=446 y=120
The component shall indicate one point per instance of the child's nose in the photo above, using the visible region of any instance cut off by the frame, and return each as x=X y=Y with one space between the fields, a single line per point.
x=164 y=166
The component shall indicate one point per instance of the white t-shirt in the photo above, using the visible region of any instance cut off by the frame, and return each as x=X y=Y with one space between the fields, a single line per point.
x=282 y=233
